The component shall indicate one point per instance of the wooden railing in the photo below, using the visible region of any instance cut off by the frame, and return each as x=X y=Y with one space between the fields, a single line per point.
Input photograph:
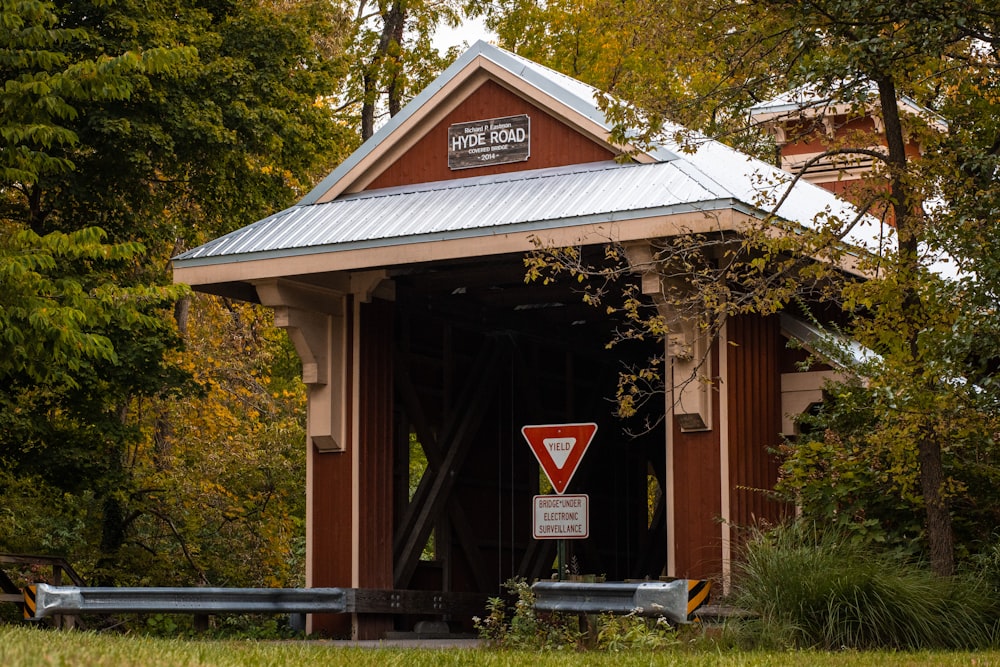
x=10 y=592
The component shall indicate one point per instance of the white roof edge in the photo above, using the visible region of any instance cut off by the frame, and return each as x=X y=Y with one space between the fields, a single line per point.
x=810 y=334
x=781 y=106
x=408 y=110
x=466 y=181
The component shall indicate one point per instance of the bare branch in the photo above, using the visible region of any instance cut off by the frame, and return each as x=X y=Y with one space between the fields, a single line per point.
x=183 y=545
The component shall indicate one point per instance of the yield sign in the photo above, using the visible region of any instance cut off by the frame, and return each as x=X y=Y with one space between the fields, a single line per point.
x=559 y=448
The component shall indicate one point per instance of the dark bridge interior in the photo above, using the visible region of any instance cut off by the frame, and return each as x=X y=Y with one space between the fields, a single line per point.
x=478 y=355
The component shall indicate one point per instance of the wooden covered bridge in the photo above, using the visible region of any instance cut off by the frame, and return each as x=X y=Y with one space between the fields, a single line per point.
x=400 y=279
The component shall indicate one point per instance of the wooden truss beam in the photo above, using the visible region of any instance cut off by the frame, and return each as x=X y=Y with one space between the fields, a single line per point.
x=435 y=489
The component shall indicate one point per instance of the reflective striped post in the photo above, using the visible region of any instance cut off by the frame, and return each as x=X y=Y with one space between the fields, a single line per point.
x=29 y=602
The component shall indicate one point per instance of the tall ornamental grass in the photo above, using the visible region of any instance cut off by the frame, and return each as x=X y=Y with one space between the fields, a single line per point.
x=821 y=589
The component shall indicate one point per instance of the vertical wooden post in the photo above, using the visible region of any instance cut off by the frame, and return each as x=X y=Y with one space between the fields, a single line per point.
x=375 y=433
x=694 y=495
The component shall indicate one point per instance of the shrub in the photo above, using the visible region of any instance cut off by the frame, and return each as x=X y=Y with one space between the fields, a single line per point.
x=809 y=588
x=632 y=632
x=518 y=626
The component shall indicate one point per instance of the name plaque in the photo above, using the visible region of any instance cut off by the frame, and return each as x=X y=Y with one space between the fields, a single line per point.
x=482 y=143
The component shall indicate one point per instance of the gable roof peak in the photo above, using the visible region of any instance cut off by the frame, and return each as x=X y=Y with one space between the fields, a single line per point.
x=573 y=101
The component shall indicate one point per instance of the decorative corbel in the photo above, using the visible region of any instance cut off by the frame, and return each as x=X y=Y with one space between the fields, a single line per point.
x=780 y=133
x=692 y=385
x=316 y=321
x=688 y=350
x=367 y=285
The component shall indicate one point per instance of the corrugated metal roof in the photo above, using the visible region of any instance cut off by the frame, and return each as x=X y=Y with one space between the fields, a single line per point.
x=760 y=186
x=713 y=176
x=812 y=98
x=542 y=198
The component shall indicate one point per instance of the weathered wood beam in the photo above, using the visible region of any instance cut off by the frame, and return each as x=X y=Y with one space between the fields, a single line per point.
x=413 y=408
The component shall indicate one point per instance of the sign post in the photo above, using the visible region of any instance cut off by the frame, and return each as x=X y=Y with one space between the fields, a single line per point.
x=559 y=449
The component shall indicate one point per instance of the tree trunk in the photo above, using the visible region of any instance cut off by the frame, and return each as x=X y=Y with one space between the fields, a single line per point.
x=939 y=530
x=36 y=216
x=396 y=20
x=112 y=539
x=393 y=21
x=905 y=213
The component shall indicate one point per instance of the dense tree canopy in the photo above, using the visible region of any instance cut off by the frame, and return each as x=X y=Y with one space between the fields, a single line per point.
x=128 y=131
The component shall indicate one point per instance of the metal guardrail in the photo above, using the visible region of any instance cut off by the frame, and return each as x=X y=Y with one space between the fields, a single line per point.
x=674 y=600
x=52 y=600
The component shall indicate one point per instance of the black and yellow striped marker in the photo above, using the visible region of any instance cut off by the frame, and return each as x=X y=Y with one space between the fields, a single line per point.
x=698 y=593
x=29 y=602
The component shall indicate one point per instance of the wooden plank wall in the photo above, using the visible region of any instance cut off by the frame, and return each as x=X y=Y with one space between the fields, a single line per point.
x=331 y=508
x=756 y=353
x=333 y=483
x=375 y=431
x=697 y=496
x=553 y=144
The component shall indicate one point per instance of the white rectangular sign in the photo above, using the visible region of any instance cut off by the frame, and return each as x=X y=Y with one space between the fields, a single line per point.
x=563 y=517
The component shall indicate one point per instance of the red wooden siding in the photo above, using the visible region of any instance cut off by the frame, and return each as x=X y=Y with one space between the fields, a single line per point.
x=697 y=497
x=375 y=429
x=332 y=509
x=553 y=144
x=755 y=360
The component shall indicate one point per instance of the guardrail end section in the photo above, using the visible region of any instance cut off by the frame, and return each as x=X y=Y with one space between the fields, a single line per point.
x=51 y=600
x=667 y=599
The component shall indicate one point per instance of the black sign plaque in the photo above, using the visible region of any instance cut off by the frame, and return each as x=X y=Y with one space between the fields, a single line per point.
x=481 y=143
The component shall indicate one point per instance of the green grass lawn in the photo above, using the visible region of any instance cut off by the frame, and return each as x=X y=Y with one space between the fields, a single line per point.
x=31 y=647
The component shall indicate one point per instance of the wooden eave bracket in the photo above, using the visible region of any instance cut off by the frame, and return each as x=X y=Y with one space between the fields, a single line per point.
x=799 y=391
x=316 y=322
x=688 y=350
x=276 y=292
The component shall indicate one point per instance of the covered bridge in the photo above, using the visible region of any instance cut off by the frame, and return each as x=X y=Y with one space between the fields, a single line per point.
x=400 y=279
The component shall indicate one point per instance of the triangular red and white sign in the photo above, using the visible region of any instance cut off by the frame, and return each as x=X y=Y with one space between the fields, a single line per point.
x=559 y=448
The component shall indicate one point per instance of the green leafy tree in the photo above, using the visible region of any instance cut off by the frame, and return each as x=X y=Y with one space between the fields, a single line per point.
x=394 y=56
x=70 y=336
x=129 y=131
